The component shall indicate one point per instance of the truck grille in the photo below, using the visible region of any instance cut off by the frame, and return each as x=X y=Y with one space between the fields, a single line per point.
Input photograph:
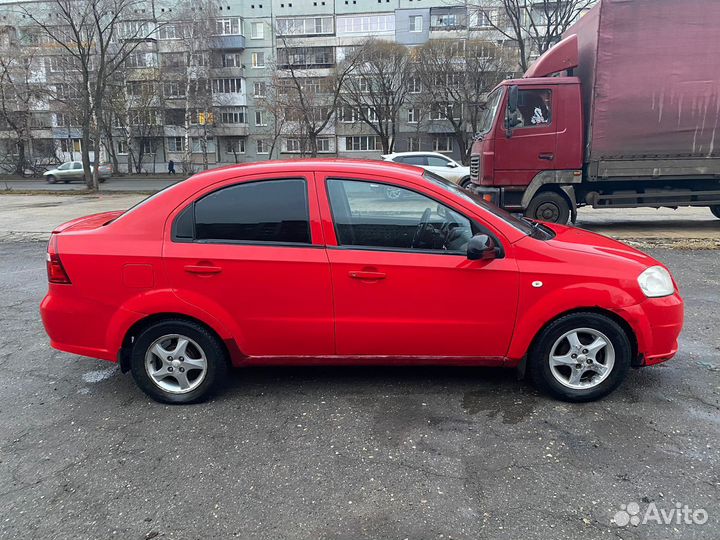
x=474 y=168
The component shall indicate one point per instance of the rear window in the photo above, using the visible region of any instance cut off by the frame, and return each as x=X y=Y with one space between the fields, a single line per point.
x=267 y=211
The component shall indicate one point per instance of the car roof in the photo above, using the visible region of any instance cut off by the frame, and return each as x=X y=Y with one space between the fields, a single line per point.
x=401 y=154
x=302 y=165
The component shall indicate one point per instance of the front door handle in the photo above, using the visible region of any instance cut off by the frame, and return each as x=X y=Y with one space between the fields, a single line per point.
x=202 y=269
x=370 y=276
x=548 y=156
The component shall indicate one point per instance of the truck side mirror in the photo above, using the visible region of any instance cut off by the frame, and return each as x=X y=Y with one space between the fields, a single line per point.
x=513 y=99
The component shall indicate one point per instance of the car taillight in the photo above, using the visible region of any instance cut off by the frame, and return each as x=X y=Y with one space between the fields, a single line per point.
x=55 y=271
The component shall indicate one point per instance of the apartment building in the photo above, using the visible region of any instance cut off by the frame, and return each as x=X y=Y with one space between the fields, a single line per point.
x=249 y=38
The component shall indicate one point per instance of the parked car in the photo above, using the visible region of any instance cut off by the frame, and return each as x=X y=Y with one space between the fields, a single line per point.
x=435 y=162
x=303 y=262
x=73 y=170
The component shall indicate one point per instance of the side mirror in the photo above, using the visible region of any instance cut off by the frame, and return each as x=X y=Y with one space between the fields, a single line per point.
x=513 y=99
x=481 y=247
x=451 y=165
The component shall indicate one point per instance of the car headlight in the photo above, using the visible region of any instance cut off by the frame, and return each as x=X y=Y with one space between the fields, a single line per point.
x=655 y=282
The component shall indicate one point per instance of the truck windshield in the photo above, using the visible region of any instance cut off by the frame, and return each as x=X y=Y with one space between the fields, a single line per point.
x=520 y=224
x=491 y=107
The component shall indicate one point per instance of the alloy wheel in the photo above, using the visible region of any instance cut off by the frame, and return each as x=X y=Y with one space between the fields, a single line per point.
x=582 y=358
x=176 y=363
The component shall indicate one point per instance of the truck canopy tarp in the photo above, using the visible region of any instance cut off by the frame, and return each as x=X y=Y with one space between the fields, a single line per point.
x=650 y=71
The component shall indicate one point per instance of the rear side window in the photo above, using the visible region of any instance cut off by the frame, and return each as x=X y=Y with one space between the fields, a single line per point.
x=413 y=160
x=274 y=211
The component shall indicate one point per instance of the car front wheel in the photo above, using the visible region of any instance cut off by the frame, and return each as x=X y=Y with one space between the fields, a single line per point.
x=50 y=179
x=715 y=210
x=580 y=357
x=178 y=361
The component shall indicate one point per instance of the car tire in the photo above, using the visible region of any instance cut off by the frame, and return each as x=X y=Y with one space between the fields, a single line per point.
x=101 y=180
x=715 y=210
x=465 y=182
x=50 y=179
x=169 y=379
x=549 y=206
x=66 y=181
x=554 y=370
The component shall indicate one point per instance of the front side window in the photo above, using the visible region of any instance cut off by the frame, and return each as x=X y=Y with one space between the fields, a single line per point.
x=273 y=211
x=534 y=108
x=384 y=216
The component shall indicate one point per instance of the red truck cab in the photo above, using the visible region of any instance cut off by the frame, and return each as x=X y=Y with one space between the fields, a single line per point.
x=530 y=141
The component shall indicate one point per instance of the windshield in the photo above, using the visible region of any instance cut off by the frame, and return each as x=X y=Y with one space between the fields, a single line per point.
x=469 y=196
x=491 y=107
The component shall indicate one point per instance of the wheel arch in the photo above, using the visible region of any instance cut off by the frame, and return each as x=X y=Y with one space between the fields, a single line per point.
x=232 y=352
x=625 y=325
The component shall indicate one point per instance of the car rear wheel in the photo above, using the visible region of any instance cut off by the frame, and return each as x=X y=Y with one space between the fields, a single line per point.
x=580 y=357
x=51 y=179
x=549 y=206
x=177 y=361
x=465 y=182
x=715 y=210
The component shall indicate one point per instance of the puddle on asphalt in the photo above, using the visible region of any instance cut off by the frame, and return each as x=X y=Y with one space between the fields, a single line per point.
x=513 y=411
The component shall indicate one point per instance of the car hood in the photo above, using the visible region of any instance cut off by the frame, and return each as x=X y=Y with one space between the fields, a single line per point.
x=582 y=241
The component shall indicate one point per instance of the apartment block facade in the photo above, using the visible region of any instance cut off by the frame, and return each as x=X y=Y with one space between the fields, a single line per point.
x=250 y=38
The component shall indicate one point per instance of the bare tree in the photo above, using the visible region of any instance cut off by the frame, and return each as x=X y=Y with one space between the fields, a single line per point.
x=96 y=37
x=377 y=87
x=533 y=25
x=456 y=76
x=312 y=81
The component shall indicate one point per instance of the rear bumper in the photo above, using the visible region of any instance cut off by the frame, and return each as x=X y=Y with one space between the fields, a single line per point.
x=657 y=323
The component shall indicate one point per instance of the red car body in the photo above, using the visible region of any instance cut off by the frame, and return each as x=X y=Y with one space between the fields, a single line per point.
x=326 y=303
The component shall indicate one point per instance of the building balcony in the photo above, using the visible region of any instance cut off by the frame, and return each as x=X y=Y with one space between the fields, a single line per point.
x=227 y=42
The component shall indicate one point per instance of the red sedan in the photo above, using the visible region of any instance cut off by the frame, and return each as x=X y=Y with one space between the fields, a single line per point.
x=307 y=262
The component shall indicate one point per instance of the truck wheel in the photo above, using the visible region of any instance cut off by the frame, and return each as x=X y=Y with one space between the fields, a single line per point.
x=715 y=210
x=549 y=206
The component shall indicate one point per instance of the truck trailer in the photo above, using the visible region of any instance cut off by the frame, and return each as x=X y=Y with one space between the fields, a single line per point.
x=623 y=112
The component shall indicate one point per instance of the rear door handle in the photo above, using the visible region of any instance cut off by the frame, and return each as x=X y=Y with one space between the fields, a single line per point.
x=549 y=156
x=202 y=269
x=366 y=275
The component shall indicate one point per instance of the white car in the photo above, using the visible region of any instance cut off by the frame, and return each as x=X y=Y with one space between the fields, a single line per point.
x=433 y=161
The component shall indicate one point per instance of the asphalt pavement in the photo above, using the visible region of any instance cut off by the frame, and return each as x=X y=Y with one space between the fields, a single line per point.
x=353 y=453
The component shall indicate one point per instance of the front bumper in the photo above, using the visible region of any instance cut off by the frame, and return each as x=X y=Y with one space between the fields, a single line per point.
x=657 y=323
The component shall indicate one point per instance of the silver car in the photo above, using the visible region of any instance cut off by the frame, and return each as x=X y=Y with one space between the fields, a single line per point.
x=435 y=162
x=73 y=170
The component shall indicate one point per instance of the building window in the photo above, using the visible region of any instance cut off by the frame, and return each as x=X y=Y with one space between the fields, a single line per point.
x=235 y=115
x=259 y=89
x=169 y=31
x=258 y=59
x=174 y=60
x=61 y=120
x=323 y=145
x=235 y=145
x=304 y=26
x=262 y=146
x=70 y=145
x=140 y=60
x=293 y=145
x=122 y=147
x=414 y=86
x=363 y=143
x=231 y=60
x=173 y=89
x=260 y=118
x=306 y=57
x=483 y=19
x=175 y=144
x=413 y=115
x=257 y=30
x=227 y=27
x=226 y=86
x=416 y=23
x=366 y=24
x=442 y=143
x=197 y=145
x=413 y=144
